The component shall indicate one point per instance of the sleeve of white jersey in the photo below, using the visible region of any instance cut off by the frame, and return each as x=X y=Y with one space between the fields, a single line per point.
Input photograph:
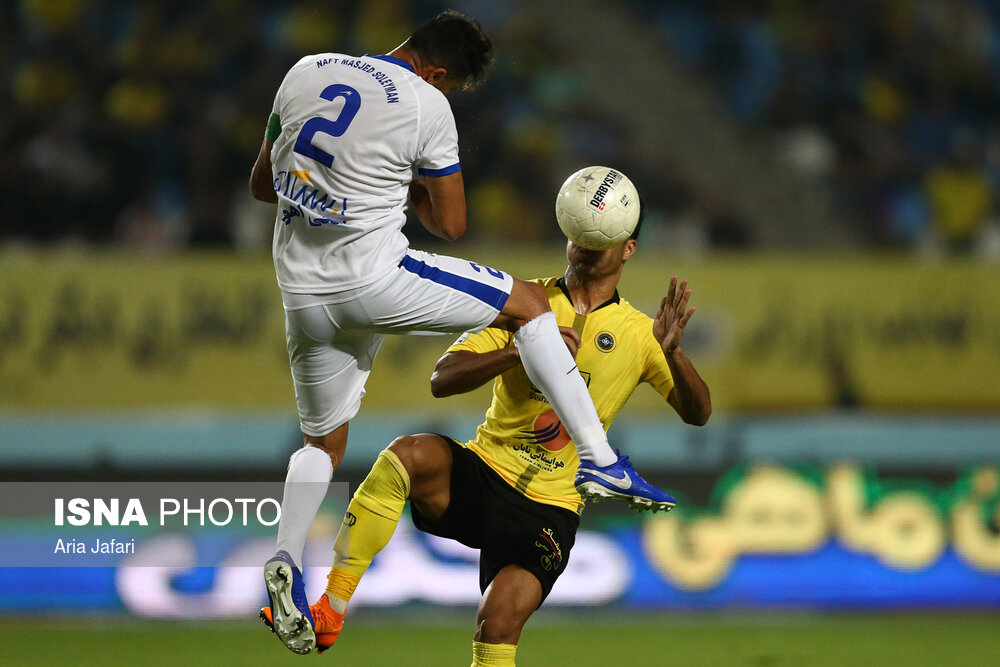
x=297 y=68
x=437 y=143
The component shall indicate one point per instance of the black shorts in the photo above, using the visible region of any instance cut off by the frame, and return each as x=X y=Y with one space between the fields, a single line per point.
x=486 y=513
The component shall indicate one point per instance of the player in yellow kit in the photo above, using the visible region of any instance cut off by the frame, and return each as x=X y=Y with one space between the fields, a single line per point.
x=510 y=491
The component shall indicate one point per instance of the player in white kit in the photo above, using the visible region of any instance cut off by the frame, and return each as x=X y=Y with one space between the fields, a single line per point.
x=350 y=142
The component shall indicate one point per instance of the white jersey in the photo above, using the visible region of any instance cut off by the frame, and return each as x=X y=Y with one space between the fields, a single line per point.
x=349 y=133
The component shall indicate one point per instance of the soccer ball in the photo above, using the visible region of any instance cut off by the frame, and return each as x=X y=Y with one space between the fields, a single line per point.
x=597 y=208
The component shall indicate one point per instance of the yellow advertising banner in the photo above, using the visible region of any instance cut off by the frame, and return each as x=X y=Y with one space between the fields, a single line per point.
x=112 y=331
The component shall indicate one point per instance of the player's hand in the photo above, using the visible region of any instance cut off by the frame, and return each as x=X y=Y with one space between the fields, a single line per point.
x=571 y=338
x=673 y=316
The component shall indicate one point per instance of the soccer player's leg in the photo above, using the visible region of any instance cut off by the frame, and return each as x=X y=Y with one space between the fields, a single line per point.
x=306 y=482
x=416 y=467
x=603 y=472
x=508 y=602
x=525 y=549
x=329 y=371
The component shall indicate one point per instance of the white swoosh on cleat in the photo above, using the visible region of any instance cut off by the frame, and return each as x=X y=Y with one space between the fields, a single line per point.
x=622 y=483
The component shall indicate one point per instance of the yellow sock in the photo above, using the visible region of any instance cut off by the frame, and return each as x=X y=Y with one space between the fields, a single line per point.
x=493 y=655
x=370 y=521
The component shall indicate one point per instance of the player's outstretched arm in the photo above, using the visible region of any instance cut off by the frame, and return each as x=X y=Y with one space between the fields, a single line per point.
x=464 y=370
x=261 y=186
x=690 y=396
x=439 y=202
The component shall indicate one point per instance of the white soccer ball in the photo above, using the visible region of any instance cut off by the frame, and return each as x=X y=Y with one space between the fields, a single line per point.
x=597 y=208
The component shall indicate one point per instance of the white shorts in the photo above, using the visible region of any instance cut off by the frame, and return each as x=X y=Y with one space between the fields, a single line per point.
x=333 y=338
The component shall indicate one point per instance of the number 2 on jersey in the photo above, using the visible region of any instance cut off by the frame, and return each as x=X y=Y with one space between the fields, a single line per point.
x=320 y=125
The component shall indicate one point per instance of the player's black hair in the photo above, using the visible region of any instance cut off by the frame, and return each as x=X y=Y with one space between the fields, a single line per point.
x=457 y=43
x=642 y=216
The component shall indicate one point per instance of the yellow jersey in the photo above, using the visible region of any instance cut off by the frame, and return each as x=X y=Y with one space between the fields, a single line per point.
x=522 y=439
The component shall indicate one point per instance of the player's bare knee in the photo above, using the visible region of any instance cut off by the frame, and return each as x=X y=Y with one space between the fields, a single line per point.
x=406 y=448
x=424 y=456
x=416 y=453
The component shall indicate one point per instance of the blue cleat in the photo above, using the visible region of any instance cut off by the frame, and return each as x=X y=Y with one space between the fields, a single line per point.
x=292 y=620
x=621 y=481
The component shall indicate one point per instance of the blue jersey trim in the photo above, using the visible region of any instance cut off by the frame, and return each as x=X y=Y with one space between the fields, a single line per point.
x=491 y=296
x=444 y=171
x=395 y=61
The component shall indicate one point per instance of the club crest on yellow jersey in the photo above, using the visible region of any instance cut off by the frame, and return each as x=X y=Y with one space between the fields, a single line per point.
x=605 y=341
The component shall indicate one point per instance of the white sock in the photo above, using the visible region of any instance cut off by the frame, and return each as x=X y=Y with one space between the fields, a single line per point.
x=551 y=367
x=306 y=483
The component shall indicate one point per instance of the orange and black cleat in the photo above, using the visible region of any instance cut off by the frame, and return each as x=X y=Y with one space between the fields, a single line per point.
x=327 y=623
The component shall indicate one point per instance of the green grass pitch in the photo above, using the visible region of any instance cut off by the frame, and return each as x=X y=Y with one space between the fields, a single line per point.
x=597 y=637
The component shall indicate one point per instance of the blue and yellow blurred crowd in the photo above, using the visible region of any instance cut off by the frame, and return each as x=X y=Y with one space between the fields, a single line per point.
x=893 y=103
x=136 y=122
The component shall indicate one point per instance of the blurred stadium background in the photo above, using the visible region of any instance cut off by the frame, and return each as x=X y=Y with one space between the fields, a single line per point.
x=826 y=174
